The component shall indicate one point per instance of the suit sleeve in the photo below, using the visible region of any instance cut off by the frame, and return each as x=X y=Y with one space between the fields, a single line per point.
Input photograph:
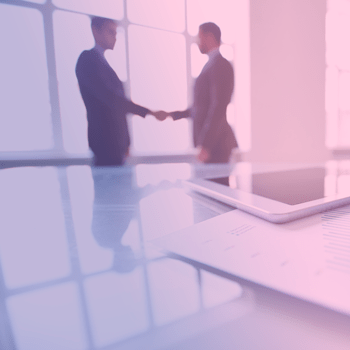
x=181 y=114
x=89 y=77
x=221 y=88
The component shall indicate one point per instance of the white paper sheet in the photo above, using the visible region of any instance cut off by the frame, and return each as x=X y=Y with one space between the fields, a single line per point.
x=308 y=258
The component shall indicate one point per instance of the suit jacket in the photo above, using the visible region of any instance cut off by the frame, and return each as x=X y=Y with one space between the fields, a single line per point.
x=212 y=93
x=106 y=106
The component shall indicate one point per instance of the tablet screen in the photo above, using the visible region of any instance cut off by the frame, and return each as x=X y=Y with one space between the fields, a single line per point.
x=290 y=187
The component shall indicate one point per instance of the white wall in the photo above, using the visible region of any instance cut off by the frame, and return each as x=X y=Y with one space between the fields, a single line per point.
x=287 y=80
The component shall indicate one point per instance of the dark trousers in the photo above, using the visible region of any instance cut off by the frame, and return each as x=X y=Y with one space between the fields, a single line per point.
x=219 y=155
x=107 y=159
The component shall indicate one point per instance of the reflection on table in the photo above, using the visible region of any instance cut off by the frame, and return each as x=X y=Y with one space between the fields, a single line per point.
x=76 y=269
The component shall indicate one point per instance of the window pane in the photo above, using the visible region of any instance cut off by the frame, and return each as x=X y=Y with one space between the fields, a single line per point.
x=72 y=35
x=332 y=90
x=225 y=13
x=162 y=14
x=332 y=130
x=332 y=105
x=331 y=38
x=344 y=91
x=344 y=130
x=337 y=29
x=158 y=81
x=198 y=60
x=25 y=120
x=152 y=136
x=227 y=52
x=337 y=74
x=104 y=8
x=157 y=68
x=342 y=40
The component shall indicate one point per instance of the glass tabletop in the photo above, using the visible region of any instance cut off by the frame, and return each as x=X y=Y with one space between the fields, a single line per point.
x=77 y=268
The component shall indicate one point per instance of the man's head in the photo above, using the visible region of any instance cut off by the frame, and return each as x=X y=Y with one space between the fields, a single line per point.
x=104 y=31
x=209 y=37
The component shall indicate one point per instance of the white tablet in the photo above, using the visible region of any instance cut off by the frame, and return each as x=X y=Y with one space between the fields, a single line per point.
x=279 y=196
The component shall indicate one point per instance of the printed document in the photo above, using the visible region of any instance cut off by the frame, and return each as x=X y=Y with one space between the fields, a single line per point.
x=308 y=258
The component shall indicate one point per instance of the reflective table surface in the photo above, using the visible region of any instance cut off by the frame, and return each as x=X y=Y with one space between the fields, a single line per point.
x=78 y=272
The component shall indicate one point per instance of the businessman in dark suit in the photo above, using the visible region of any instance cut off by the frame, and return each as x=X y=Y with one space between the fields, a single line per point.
x=104 y=98
x=212 y=93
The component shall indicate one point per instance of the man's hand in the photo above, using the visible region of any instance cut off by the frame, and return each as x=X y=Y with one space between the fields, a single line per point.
x=160 y=115
x=203 y=155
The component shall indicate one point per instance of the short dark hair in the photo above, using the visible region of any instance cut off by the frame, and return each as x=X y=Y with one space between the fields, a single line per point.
x=210 y=27
x=99 y=22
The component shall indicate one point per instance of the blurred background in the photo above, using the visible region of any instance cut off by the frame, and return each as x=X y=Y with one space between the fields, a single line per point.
x=292 y=75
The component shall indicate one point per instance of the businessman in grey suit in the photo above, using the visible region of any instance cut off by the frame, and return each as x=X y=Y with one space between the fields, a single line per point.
x=213 y=89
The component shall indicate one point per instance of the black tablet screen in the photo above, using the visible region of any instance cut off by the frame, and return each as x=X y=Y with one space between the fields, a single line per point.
x=291 y=187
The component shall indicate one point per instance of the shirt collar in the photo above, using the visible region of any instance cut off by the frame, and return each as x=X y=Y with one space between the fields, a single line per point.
x=213 y=53
x=100 y=50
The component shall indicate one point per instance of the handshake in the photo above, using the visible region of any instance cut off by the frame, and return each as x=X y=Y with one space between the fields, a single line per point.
x=160 y=115
x=203 y=154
